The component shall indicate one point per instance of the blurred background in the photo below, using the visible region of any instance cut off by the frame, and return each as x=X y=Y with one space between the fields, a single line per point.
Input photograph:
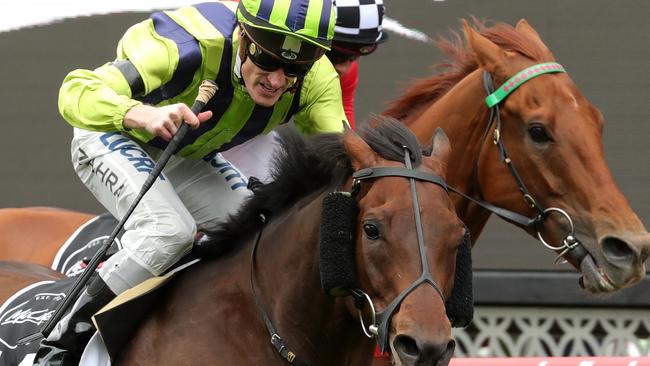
x=604 y=46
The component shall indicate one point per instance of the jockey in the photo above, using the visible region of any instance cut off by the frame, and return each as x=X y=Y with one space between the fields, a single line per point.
x=265 y=56
x=358 y=32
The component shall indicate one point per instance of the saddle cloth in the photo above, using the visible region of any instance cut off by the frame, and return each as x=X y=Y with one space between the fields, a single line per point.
x=25 y=313
x=75 y=253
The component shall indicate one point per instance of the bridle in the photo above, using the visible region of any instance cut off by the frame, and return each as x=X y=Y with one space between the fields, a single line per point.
x=380 y=320
x=571 y=248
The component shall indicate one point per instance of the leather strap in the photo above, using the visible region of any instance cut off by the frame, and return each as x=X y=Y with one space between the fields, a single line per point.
x=379 y=172
x=276 y=340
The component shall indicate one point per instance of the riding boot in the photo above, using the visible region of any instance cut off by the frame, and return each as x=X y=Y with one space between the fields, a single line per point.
x=65 y=344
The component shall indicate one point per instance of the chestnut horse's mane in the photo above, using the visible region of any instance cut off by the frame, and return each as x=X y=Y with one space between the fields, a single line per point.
x=461 y=62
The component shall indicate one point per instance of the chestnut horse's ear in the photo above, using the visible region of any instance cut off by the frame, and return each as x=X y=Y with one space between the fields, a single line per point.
x=490 y=56
x=361 y=155
x=531 y=34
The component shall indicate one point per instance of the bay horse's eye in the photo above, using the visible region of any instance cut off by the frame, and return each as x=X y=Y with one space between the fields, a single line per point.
x=371 y=230
x=538 y=133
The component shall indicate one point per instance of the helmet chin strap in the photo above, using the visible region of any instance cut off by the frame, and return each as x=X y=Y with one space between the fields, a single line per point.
x=241 y=57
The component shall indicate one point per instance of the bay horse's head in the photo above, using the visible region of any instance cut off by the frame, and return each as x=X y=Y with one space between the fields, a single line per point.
x=366 y=215
x=407 y=240
x=549 y=139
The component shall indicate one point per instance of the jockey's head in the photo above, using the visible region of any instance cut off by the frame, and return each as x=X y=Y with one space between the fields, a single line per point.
x=357 y=33
x=280 y=41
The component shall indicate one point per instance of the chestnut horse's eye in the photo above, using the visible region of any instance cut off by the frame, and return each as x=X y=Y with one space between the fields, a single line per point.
x=371 y=230
x=538 y=133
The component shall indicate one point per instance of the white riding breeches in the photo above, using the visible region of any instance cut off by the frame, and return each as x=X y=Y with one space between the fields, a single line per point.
x=253 y=158
x=162 y=227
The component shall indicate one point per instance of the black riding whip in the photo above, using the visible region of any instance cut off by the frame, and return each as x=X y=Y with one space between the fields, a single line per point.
x=206 y=91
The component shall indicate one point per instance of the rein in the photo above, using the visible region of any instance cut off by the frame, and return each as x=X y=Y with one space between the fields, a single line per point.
x=380 y=320
x=571 y=247
x=277 y=341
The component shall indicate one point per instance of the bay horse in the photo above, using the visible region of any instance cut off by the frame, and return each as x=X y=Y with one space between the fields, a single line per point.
x=551 y=136
x=367 y=215
x=535 y=153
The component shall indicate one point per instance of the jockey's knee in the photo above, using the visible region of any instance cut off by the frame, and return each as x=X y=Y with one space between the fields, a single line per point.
x=177 y=237
x=169 y=241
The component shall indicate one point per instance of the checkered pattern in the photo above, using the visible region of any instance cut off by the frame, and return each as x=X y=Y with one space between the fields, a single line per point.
x=359 y=21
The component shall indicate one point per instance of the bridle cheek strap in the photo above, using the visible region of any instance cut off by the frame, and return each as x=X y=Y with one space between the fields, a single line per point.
x=570 y=247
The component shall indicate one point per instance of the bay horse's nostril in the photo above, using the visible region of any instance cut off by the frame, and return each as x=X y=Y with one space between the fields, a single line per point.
x=407 y=349
x=412 y=352
x=618 y=251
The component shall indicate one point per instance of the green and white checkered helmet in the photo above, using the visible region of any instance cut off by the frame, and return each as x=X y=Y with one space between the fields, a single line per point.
x=292 y=30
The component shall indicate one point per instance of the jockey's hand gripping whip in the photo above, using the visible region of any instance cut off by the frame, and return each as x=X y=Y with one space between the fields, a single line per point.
x=206 y=91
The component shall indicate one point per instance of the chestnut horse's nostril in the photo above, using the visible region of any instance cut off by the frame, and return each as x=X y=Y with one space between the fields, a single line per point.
x=412 y=352
x=618 y=251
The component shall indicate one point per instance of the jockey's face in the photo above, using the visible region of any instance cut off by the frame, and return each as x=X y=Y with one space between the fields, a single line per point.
x=265 y=87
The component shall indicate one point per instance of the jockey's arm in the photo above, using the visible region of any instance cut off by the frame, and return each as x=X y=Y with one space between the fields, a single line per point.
x=95 y=99
x=321 y=104
x=99 y=99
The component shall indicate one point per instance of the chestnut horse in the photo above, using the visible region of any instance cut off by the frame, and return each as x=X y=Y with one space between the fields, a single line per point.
x=367 y=215
x=35 y=234
x=536 y=153
x=547 y=131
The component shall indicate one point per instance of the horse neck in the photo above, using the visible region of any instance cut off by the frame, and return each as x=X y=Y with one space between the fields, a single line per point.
x=318 y=327
x=463 y=116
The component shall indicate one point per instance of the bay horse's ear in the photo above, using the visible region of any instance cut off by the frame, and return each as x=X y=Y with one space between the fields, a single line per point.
x=361 y=154
x=440 y=146
x=531 y=34
x=489 y=55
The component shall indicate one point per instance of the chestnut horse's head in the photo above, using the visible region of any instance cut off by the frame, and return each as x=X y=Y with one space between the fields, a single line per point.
x=550 y=136
x=407 y=240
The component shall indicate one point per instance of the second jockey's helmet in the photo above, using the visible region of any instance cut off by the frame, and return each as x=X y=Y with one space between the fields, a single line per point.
x=359 y=22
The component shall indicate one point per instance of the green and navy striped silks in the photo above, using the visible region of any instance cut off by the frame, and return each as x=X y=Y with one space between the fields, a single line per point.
x=163 y=60
x=190 y=59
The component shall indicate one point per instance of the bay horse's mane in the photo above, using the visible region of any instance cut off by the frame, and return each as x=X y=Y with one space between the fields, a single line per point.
x=304 y=166
x=461 y=62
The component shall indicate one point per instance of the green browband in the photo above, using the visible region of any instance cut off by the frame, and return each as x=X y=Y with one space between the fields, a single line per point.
x=521 y=77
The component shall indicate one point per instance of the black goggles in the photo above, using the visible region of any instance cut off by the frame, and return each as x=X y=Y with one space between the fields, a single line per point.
x=349 y=52
x=270 y=63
